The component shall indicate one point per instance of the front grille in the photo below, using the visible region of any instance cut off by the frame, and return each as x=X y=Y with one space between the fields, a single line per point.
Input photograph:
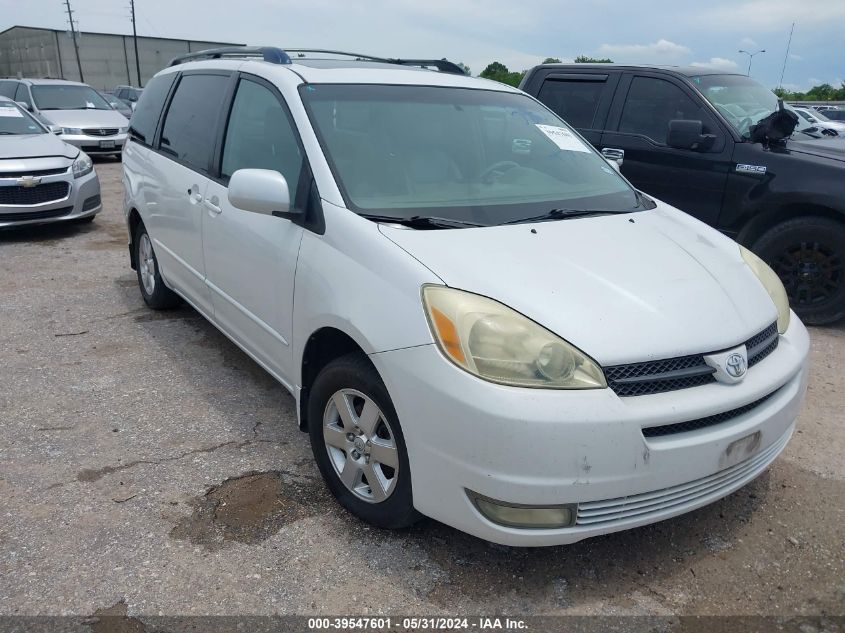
x=660 y=502
x=34 y=215
x=37 y=172
x=40 y=194
x=99 y=131
x=683 y=372
x=710 y=420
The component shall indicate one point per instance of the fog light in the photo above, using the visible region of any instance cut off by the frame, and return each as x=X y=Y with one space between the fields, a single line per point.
x=524 y=516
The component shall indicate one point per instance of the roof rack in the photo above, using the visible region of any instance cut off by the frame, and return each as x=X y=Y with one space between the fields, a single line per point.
x=268 y=53
x=279 y=56
x=443 y=65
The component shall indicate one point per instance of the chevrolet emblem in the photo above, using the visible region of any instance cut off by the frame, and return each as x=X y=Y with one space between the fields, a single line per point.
x=29 y=181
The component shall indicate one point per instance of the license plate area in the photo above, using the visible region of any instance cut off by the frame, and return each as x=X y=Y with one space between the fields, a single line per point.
x=740 y=450
x=106 y=144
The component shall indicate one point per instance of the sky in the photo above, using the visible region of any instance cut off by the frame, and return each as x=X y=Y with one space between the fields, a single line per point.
x=476 y=32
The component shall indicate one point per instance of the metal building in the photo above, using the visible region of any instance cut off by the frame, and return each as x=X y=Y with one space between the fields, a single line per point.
x=108 y=59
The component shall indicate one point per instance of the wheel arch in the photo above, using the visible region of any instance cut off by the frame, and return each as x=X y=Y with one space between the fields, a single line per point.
x=322 y=347
x=133 y=221
x=762 y=222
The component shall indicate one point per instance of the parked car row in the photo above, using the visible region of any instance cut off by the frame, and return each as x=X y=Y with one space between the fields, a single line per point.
x=480 y=319
x=79 y=113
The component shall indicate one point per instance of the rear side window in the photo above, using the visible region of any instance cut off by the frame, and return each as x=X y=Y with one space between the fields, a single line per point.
x=22 y=95
x=190 y=125
x=260 y=136
x=147 y=112
x=7 y=89
x=651 y=104
x=573 y=101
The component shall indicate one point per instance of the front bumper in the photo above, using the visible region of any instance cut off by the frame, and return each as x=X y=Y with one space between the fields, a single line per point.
x=546 y=448
x=83 y=200
x=96 y=144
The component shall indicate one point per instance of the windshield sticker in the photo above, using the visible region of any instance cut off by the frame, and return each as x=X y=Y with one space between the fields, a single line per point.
x=88 y=104
x=10 y=111
x=563 y=138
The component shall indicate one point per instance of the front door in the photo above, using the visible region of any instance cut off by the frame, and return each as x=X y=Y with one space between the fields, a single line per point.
x=691 y=180
x=250 y=259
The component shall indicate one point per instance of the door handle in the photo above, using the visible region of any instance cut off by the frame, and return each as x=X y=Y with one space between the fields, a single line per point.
x=612 y=153
x=212 y=204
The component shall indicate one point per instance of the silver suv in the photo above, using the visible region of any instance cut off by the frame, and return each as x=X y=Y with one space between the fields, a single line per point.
x=86 y=119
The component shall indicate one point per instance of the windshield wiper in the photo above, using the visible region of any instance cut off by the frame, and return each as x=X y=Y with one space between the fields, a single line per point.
x=423 y=221
x=560 y=214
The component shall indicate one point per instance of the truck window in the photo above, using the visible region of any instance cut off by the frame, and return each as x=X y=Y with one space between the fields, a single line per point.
x=651 y=104
x=574 y=101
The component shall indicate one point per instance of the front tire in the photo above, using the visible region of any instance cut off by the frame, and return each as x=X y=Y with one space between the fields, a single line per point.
x=808 y=254
x=156 y=295
x=358 y=443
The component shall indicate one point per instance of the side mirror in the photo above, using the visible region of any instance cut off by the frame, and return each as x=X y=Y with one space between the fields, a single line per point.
x=687 y=134
x=24 y=105
x=55 y=129
x=261 y=191
x=614 y=156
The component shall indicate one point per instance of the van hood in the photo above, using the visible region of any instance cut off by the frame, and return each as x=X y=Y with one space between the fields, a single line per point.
x=34 y=146
x=85 y=118
x=622 y=288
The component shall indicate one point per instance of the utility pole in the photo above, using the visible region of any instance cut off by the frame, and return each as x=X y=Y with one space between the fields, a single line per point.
x=785 y=57
x=73 y=34
x=751 y=55
x=135 y=41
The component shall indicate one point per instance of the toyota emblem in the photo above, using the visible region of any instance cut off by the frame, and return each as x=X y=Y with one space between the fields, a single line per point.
x=736 y=365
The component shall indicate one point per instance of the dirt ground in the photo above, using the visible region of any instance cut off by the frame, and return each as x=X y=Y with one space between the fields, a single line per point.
x=147 y=464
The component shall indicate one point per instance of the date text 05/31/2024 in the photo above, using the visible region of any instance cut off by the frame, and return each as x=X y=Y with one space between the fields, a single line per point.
x=416 y=624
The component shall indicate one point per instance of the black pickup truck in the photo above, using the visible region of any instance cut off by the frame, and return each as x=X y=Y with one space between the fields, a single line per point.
x=683 y=136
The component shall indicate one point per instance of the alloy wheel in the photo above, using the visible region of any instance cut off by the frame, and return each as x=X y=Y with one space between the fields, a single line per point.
x=361 y=445
x=811 y=272
x=146 y=264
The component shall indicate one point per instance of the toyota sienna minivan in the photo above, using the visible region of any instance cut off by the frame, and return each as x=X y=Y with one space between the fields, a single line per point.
x=480 y=319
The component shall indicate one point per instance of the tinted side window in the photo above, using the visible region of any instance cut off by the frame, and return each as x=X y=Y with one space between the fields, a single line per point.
x=22 y=95
x=575 y=102
x=260 y=136
x=7 y=89
x=142 y=126
x=190 y=126
x=651 y=104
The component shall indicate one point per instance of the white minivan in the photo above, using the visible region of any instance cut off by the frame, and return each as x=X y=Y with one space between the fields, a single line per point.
x=480 y=320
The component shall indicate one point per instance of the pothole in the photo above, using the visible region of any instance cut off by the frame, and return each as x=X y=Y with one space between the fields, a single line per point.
x=248 y=509
x=114 y=619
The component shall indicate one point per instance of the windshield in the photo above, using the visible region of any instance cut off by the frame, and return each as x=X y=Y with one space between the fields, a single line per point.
x=69 y=97
x=742 y=101
x=13 y=120
x=477 y=156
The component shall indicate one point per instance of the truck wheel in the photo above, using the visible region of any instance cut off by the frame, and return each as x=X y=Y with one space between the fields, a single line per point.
x=358 y=443
x=808 y=254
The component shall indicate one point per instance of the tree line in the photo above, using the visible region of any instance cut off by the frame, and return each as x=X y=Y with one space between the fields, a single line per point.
x=499 y=72
x=823 y=92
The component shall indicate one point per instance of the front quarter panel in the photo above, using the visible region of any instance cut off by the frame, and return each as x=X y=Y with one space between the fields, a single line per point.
x=354 y=279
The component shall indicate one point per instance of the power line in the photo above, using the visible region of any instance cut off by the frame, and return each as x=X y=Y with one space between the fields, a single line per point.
x=785 y=57
x=135 y=42
x=73 y=34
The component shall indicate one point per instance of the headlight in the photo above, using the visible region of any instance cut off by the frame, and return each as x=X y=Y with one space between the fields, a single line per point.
x=773 y=285
x=71 y=130
x=498 y=344
x=82 y=166
x=122 y=130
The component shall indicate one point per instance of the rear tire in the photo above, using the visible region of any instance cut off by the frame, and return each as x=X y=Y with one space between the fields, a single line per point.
x=156 y=295
x=808 y=254
x=358 y=443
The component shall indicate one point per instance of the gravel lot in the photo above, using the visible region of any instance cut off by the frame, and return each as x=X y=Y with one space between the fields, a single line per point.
x=145 y=459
